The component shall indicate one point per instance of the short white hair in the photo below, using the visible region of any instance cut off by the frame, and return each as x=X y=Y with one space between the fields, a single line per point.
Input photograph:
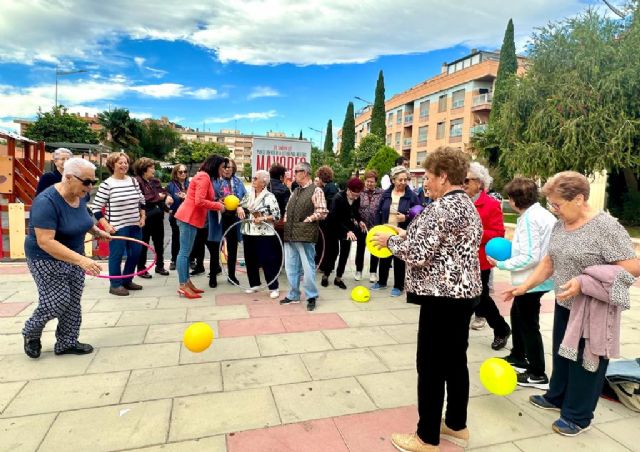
x=75 y=165
x=263 y=175
x=58 y=153
x=481 y=173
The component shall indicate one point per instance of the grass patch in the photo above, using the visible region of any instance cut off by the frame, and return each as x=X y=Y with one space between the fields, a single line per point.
x=510 y=217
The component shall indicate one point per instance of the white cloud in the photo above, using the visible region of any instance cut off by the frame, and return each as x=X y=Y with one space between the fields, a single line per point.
x=251 y=116
x=205 y=93
x=263 y=91
x=162 y=90
x=268 y=31
x=139 y=61
x=9 y=125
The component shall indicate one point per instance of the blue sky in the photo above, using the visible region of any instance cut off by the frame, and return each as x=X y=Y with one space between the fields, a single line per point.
x=257 y=65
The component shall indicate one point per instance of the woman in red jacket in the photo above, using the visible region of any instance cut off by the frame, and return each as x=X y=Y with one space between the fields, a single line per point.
x=192 y=214
x=492 y=226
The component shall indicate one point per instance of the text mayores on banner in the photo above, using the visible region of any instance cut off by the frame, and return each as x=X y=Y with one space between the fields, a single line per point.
x=288 y=153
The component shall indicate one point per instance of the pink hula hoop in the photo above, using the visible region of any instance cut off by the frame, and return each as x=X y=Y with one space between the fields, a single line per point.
x=140 y=242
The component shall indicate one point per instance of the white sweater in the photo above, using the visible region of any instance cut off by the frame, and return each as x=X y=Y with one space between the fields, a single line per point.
x=529 y=245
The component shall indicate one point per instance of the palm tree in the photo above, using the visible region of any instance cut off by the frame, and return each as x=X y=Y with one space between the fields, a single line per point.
x=118 y=128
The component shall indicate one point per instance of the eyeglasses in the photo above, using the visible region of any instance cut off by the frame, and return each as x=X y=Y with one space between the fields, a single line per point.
x=555 y=206
x=299 y=171
x=467 y=179
x=86 y=182
x=182 y=172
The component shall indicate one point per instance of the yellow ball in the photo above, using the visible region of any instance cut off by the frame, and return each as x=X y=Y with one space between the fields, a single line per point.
x=498 y=376
x=198 y=337
x=231 y=202
x=360 y=294
x=373 y=249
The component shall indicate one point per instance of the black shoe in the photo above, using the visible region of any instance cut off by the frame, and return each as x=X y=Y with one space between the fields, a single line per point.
x=132 y=286
x=285 y=300
x=311 y=304
x=32 y=347
x=499 y=342
x=325 y=281
x=172 y=266
x=340 y=283
x=78 y=349
x=120 y=291
x=146 y=275
x=213 y=282
x=529 y=380
x=198 y=270
x=161 y=271
x=233 y=280
x=519 y=365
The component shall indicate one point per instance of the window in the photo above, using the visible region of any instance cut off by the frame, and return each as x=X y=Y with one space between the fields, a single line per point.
x=440 y=131
x=455 y=127
x=420 y=156
x=422 y=134
x=397 y=138
x=369 y=126
x=399 y=117
x=389 y=137
x=390 y=117
x=457 y=99
x=442 y=103
x=424 y=108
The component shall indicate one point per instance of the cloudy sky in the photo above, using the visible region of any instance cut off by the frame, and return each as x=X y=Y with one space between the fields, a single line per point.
x=257 y=65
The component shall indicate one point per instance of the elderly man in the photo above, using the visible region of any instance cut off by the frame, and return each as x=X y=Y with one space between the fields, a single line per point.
x=306 y=207
x=60 y=156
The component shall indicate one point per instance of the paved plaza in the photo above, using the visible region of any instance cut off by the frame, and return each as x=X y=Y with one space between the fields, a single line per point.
x=276 y=378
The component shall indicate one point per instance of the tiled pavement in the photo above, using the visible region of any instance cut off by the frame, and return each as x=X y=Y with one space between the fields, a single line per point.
x=275 y=378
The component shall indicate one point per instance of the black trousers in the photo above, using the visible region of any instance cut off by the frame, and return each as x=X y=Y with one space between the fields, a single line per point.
x=197 y=252
x=175 y=238
x=153 y=230
x=441 y=361
x=331 y=253
x=487 y=308
x=398 y=272
x=262 y=251
x=361 y=246
x=572 y=387
x=525 y=330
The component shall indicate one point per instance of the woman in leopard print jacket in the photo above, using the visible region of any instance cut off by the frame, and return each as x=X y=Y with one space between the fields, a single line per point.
x=440 y=248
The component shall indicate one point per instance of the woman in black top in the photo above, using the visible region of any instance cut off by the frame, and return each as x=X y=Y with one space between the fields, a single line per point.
x=324 y=180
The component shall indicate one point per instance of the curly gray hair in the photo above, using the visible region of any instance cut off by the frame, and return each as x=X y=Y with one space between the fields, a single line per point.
x=263 y=176
x=481 y=173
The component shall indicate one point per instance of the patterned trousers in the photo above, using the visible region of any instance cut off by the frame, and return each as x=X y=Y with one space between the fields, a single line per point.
x=60 y=287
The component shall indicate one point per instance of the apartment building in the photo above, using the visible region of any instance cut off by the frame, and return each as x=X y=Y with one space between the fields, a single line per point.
x=446 y=110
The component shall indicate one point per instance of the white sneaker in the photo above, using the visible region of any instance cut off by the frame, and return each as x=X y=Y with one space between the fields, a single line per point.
x=274 y=294
x=478 y=323
x=252 y=290
x=373 y=277
x=358 y=276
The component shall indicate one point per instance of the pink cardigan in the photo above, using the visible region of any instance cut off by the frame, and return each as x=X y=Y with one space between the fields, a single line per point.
x=200 y=199
x=595 y=315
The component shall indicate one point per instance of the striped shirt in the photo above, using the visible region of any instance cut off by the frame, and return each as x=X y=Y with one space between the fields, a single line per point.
x=122 y=200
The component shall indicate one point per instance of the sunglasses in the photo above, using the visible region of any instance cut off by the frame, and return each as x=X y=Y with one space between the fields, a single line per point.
x=182 y=172
x=299 y=171
x=468 y=179
x=86 y=182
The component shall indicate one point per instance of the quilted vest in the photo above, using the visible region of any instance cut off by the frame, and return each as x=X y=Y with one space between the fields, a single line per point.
x=300 y=207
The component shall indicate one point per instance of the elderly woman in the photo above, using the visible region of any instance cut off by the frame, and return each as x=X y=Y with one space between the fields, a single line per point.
x=529 y=245
x=581 y=238
x=192 y=215
x=119 y=208
x=227 y=183
x=324 y=180
x=55 y=255
x=343 y=223
x=392 y=209
x=177 y=189
x=155 y=199
x=261 y=246
x=60 y=156
x=492 y=226
x=440 y=248
x=369 y=200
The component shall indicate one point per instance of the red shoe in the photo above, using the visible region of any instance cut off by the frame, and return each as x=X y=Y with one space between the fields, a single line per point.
x=193 y=288
x=187 y=293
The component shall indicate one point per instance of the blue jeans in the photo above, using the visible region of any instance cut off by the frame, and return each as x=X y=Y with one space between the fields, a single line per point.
x=118 y=248
x=187 y=237
x=299 y=257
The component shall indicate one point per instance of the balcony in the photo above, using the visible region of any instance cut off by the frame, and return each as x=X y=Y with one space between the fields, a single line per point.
x=473 y=131
x=408 y=119
x=482 y=102
x=406 y=143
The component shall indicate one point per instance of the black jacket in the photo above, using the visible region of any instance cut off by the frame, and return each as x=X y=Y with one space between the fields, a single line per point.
x=281 y=192
x=343 y=217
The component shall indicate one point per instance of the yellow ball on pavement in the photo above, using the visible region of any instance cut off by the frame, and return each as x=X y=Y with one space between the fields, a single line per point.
x=198 y=337
x=360 y=294
x=373 y=249
x=498 y=376
x=231 y=202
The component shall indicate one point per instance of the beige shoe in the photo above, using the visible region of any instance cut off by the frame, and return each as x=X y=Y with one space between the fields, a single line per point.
x=411 y=443
x=459 y=438
x=478 y=323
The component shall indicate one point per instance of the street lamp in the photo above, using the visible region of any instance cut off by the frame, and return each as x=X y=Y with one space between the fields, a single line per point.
x=321 y=132
x=62 y=73
x=363 y=100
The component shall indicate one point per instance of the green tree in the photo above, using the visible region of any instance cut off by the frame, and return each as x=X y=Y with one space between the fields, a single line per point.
x=60 y=126
x=378 y=115
x=383 y=160
x=300 y=137
x=157 y=140
x=247 y=172
x=348 y=143
x=507 y=69
x=191 y=152
x=328 y=139
x=119 y=130
x=365 y=151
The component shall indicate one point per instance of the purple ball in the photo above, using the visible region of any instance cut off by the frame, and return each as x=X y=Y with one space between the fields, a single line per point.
x=414 y=211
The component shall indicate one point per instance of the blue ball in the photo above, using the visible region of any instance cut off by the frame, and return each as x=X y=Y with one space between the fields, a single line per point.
x=498 y=248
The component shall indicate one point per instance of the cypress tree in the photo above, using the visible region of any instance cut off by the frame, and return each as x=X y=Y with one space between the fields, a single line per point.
x=300 y=137
x=507 y=68
x=348 y=143
x=378 y=126
x=328 y=140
